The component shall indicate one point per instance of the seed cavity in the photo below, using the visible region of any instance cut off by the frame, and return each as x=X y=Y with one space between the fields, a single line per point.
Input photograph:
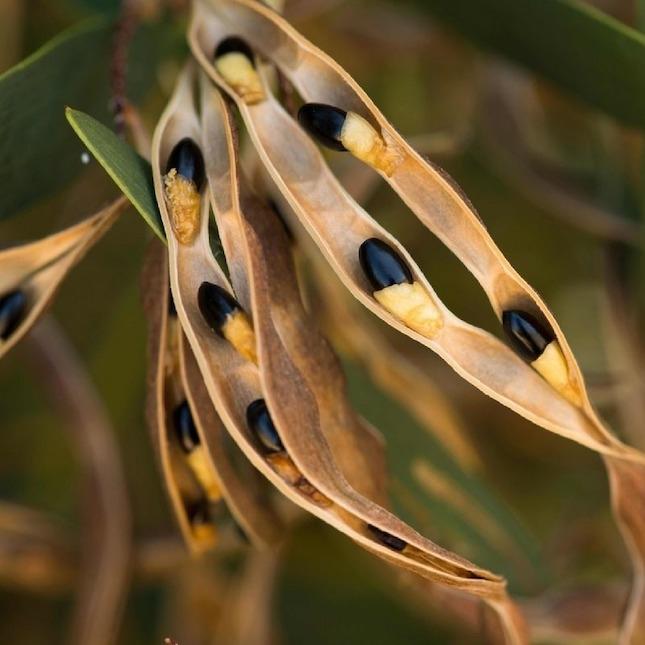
x=537 y=344
x=188 y=438
x=235 y=62
x=396 y=290
x=183 y=182
x=13 y=307
x=259 y=420
x=387 y=539
x=340 y=130
x=224 y=315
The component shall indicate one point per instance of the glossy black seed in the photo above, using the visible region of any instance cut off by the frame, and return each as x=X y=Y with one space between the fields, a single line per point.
x=235 y=45
x=13 y=306
x=185 y=428
x=216 y=305
x=387 y=539
x=527 y=334
x=324 y=123
x=259 y=420
x=382 y=265
x=186 y=158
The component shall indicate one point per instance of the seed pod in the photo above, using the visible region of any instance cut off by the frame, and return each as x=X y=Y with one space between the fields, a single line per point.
x=225 y=317
x=395 y=288
x=259 y=420
x=185 y=428
x=389 y=540
x=12 y=310
x=340 y=130
x=183 y=182
x=234 y=60
x=538 y=345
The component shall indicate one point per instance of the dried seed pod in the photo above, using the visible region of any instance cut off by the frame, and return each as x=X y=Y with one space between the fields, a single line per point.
x=234 y=60
x=342 y=131
x=225 y=317
x=31 y=274
x=183 y=182
x=13 y=306
x=538 y=345
x=259 y=420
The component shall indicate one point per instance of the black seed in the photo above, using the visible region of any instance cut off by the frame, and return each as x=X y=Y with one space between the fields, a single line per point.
x=216 y=305
x=527 y=334
x=324 y=123
x=235 y=45
x=259 y=420
x=382 y=265
x=186 y=158
x=185 y=427
x=199 y=513
x=12 y=310
x=387 y=539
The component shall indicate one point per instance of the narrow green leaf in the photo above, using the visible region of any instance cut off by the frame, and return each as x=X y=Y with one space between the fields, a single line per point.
x=586 y=52
x=39 y=154
x=129 y=171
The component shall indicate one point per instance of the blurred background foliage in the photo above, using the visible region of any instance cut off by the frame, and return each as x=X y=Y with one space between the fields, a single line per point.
x=536 y=114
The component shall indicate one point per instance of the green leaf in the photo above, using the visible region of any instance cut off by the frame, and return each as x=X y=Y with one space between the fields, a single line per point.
x=130 y=172
x=586 y=52
x=39 y=154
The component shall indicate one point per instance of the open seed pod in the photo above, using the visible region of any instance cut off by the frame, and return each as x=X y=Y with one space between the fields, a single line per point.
x=374 y=266
x=284 y=437
x=195 y=454
x=31 y=274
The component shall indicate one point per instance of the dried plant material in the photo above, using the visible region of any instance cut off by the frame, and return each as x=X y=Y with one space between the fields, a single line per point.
x=188 y=435
x=300 y=398
x=339 y=227
x=31 y=274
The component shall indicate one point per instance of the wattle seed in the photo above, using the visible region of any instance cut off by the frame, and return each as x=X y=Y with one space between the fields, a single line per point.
x=12 y=310
x=200 y=514
x=324 y=123
x=234 y=45
x=382 y=265
x=527 y=334
x=387 y=539
x=216 y=305
x=186 y=158
x=259 y=420
x=185 y=427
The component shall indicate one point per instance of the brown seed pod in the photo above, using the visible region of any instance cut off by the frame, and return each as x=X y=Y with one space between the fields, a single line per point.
x=31 y=274
x=300 y=399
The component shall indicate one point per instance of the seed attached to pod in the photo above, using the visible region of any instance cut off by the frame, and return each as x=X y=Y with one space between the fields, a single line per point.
x=190 y=443
x=13 y=306
x=201 y=524
x=259 y=420
x=234 y=60
x=340 y=130
x=183 y=182
x=396 y=290
x=225 y=317
x=537 y=344
x=387 y=539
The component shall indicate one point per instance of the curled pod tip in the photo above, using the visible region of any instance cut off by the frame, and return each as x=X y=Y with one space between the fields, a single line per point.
x=185 y=428
x=13 y=306
x=387 y=539
x=259 y=420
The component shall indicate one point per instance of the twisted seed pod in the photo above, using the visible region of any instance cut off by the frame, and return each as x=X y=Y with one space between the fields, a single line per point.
x=234 y=383
x=31 y=274
x=339 y=227
x=442 y=207
x=174 y=379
